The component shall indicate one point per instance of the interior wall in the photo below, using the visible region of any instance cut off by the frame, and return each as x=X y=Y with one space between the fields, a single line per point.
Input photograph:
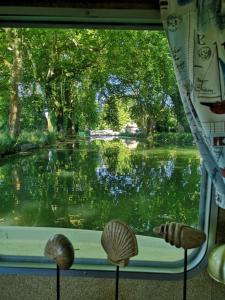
x=17 y=287
x=123 y=4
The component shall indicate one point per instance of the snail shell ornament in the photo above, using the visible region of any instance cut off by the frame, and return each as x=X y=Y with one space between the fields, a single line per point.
x=181 y=235
x=61 y=250
x=119 y=242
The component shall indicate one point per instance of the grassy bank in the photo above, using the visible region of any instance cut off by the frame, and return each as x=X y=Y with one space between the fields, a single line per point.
x=38 y=139
x=163 y=138
x=170 y=138
x=26 y=141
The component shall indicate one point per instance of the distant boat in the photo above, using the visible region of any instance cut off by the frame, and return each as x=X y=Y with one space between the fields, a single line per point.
x=132 y=128
x=103 y=132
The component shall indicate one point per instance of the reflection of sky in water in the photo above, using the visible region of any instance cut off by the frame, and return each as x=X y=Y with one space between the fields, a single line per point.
x=169 y=168
x=189 y=169
x=118 y=184
x=200 y=169
x=124 y=181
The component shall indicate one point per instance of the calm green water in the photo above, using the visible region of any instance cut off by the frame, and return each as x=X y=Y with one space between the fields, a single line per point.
x=85 y=184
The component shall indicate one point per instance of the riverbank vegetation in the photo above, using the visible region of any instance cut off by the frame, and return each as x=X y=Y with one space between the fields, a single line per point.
x=62 y=82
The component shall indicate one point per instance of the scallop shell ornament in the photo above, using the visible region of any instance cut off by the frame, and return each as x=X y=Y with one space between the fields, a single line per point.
x=181 y=235
x=119 y=242
x=61 y=250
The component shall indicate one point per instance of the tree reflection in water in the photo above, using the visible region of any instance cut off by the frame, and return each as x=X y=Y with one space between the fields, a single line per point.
x=86 y=184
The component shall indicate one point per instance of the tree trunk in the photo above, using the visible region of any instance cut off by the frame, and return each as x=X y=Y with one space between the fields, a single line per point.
x=16 y=72
x=60 y=121
x=49 y=123
x=150 y=125
x=69 y=126
x=179 y=112
x=76 y=128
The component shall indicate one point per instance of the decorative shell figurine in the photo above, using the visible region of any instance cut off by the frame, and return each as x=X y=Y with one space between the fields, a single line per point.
x=181 y=235
x=119 y=242
x=61 y=250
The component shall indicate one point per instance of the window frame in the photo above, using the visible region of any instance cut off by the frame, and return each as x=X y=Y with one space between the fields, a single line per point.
x=197 y=260
x=21 y=16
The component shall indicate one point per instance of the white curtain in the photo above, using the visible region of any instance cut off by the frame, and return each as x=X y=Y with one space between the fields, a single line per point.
x=196 y=35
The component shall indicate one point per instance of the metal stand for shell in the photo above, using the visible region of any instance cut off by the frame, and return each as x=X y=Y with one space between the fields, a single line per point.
x=120 y=243
x=117 y=282
x=57 y=283
x=61 y=250
x=181 y=236
x=185 y=276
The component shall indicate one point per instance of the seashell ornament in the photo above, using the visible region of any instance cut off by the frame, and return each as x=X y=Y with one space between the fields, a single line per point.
x=61 y=250
x=181 y=235
x=216 y=263
x=119 y=242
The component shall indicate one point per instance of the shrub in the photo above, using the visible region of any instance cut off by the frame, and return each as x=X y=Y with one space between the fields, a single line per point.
x=37 y=137
x=141 y=135
x=7 y=144
x=48 y=138
x=170 y=138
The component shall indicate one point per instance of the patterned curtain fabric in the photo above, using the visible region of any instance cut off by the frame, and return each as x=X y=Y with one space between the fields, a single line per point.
x=196 y=35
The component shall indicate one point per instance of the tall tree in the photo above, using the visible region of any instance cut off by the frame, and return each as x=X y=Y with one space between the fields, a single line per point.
x=14 y=37
x=81 y=77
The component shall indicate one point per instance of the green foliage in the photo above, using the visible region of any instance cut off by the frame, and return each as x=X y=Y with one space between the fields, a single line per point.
x=139 y=135
x=37 y=137
x=115 y=115
x=4 y=107
x=32 y=121
x=170 y=138
x=7 y=144
x=87 y=79
x=48 y=138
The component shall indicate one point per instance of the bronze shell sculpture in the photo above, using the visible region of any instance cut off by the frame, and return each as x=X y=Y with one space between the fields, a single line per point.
x=61 y=250
x=119 y=242
x=181 y=235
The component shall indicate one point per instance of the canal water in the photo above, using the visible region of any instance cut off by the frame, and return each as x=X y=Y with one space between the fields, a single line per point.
x=84 y=184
